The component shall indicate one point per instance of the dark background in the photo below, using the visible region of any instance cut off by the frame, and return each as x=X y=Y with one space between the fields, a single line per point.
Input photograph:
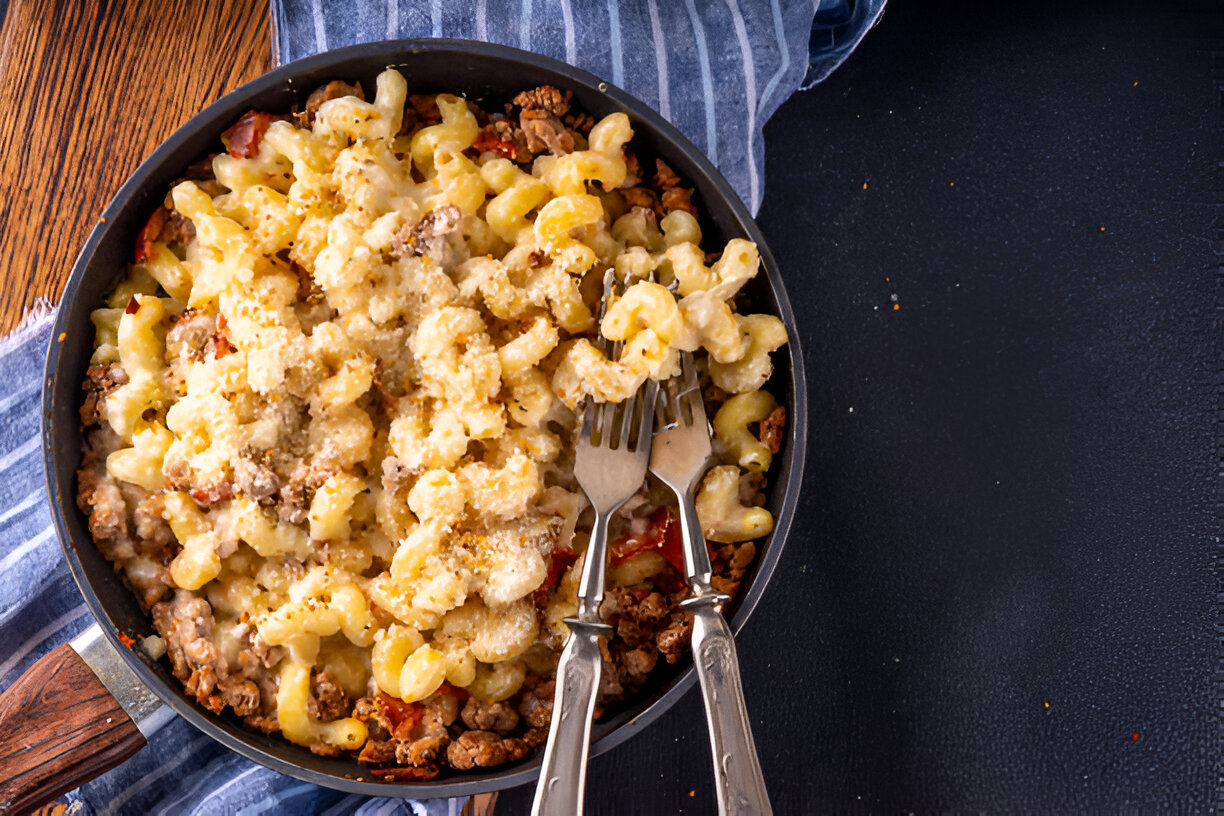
x=1001 y=590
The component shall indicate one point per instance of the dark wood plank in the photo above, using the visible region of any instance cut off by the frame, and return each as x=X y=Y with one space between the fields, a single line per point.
x=61 y=727
x=89 y=89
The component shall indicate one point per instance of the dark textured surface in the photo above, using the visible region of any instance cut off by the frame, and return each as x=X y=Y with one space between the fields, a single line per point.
x=1011 y=481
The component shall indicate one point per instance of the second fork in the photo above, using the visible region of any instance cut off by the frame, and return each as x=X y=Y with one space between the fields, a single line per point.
x=610 y=465
x=679 y=457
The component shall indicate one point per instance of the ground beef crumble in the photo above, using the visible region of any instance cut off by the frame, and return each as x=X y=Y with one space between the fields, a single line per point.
x=545 y=132
x=673 y=197
x=485 y=749
x=535 y=707
x=328 y=700
x=496 y=716
x=186 y=623
x=100 y=382
x=420 y=111
x=423 y=237
x=771 y=429
x=674 y=638
x=545 y=99
x=256 y=480
x=100 y=497
x=540 y=120
x=643 y=198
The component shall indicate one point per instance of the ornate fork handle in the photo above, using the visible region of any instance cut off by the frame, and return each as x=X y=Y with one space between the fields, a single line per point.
x=563 y=771
x=737 y=772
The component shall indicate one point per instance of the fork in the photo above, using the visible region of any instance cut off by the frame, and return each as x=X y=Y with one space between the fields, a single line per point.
x=679 y=456
x=610 y=465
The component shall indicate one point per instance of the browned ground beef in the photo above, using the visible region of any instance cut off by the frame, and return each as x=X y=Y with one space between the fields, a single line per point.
x=771 y=429
x=255 y=480
x=485 y=749
x=408 y=733
x=643 y=198
x=545 y=99
x=673 y=639
x=498 y=716
x=536 y=701
x=678 y=198
x=100 y=381
x=425 y=236
x=327 y=700
x=545 y=132
x=672 y=195
x=101 y=498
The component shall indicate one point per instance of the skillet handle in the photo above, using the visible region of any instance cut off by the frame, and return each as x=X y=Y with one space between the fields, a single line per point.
x=61 y=728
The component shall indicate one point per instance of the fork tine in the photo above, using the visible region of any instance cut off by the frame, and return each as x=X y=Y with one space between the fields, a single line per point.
x=609 y=283
x=607 y=432
x=588 y=417
x=679 y=399
x=666 y=401
x=645 y=425
x=688 y=369
x=606 y=417
x=691 y=393
x=627 y=423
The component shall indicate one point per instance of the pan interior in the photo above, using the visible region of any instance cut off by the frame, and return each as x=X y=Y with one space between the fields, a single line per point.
x=481 y=72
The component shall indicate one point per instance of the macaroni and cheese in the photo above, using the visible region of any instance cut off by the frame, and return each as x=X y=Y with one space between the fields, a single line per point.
x=331 y=416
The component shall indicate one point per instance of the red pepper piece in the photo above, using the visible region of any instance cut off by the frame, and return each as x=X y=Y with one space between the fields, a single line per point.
x=662 y=535
x=489 y=141
x=243 y=137
x=401 y=716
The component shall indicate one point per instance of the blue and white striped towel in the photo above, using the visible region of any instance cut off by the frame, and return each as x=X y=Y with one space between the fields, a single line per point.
x=717 y=69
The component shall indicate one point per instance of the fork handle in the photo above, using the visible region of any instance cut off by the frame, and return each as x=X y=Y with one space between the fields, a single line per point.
x=562 y=784
x=737 y=771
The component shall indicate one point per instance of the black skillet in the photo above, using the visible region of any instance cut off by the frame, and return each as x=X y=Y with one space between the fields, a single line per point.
x=61 y=725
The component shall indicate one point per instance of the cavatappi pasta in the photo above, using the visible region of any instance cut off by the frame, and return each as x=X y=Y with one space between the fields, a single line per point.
x=331 y=416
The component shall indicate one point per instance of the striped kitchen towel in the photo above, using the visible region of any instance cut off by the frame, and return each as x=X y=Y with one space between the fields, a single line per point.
x=716 y=69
